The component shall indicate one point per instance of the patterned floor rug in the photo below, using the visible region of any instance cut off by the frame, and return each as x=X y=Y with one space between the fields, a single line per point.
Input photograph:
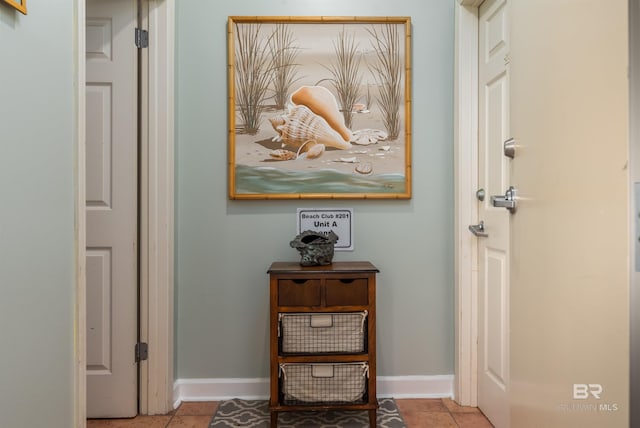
x=238 y=413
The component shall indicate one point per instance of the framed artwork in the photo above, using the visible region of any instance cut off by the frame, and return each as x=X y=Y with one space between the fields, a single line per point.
x=21 y=5
x=319 y=107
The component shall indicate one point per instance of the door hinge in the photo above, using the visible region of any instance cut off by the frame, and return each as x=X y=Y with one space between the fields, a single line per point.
x=142 y=38
x=142 y=351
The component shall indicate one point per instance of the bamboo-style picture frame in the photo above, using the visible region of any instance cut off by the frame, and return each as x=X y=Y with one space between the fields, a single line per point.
x=21 y=5
x=319 y=107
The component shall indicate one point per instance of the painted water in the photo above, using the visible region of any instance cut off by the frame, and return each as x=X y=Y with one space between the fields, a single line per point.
x=267 y=180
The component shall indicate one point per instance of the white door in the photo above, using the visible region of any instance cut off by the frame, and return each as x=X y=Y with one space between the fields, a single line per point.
x=111 y=200
x=493 y=179
x=570 y=235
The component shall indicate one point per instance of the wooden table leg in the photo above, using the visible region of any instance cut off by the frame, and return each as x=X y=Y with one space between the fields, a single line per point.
x=372 y=418
x=274 y=419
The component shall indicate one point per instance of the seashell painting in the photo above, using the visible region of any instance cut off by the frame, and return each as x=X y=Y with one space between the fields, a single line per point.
x=319 y=108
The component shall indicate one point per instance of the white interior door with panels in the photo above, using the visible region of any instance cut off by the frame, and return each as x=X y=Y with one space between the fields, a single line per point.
x=493 y=229
x=156 y=214
x=111 y=208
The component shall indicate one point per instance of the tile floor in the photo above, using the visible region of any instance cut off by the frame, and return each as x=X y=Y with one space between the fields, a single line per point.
x=417 y=413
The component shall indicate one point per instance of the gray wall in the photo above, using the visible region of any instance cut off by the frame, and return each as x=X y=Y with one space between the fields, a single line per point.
x=223 y=247
x=36 y=215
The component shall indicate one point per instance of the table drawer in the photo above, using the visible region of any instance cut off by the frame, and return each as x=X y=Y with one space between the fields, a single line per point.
x=347 y=292
x=299 y=292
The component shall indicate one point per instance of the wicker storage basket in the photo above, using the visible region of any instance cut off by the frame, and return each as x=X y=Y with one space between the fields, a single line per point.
x=323 y=383
x=304 y=333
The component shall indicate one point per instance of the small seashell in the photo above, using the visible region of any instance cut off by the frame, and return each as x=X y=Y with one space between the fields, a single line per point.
x=360 y=108
x=281 y=154
x=315 y=151
x=364 y=137
x=364 y=168
x=349 y=160
x=323 y=103
x=385 y=148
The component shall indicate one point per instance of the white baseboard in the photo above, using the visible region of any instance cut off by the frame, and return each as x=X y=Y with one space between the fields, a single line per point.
x=220 y=389
x=440 y=386
x=258 y=388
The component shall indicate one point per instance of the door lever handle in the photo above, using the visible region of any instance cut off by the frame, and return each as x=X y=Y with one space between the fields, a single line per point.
x=478 y=230
x=507 y=201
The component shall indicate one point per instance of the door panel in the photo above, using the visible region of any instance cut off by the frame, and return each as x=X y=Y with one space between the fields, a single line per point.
x=99 y=310
x=111 y=201
x=570 y=261
x=98 y=181
x=494 y=178
x=495 y=304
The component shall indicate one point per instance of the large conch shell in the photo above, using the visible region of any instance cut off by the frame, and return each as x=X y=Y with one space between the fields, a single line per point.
x=300 y=125
x=322 y=102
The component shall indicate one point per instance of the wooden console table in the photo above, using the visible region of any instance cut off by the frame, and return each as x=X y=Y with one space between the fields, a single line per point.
x=323 y=338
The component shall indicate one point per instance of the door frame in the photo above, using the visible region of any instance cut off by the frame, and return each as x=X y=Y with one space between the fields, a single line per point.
x=466 y=184
x=156 y=216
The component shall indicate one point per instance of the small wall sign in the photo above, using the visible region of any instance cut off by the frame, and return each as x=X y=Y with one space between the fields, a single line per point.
x=338 y=220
